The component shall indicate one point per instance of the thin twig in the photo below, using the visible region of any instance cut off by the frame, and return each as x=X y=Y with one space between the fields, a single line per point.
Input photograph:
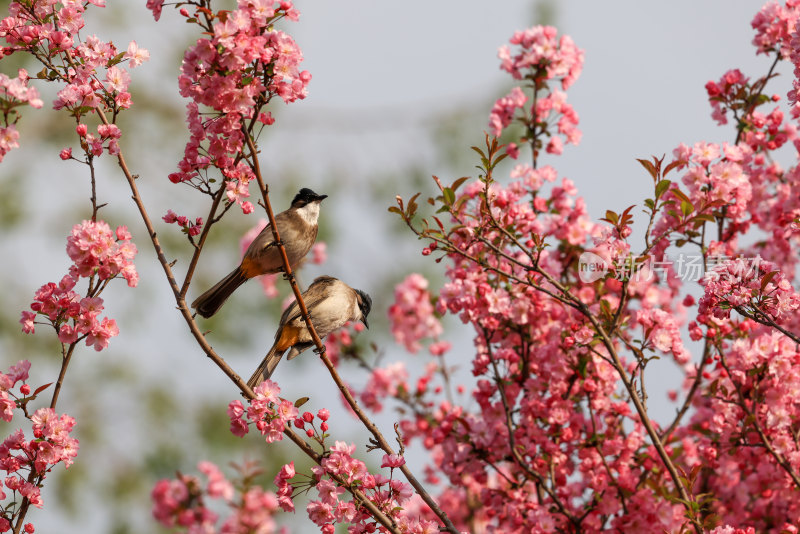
x=666 y=434
x=65 y=359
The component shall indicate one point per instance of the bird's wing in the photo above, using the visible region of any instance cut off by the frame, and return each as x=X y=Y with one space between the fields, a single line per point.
x=316 y=292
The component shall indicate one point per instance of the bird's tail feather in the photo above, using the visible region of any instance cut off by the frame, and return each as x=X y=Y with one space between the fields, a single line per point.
x=267 y=367
x=212 y=300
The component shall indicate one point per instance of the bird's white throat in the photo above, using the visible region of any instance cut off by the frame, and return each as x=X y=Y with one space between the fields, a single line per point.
x=309 y=212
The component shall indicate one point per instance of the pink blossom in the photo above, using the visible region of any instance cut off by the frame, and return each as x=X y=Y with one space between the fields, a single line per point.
x=384 y=382
x=135 y=55
x=94 y=250
x=412 y=314
x=392 y=460
x=155 y=6
x=503 y=111
x=218 y=485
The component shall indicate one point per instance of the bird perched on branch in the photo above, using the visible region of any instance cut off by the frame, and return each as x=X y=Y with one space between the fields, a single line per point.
x=330 y=303
x=297 y=229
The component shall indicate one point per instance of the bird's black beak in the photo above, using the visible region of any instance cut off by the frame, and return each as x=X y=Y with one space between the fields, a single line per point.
x=320 y=198
x=364 y=320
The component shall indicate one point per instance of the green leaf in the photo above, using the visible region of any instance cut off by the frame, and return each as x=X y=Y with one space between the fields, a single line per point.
x=686 y=207
x=498 y=159
x=395 y=209
x=612 y=217
x=301 y=401
x=680 y=194
x=116 y=59
x=705 y=217
x=661 y=187
x=479 y=151
x=449 y=196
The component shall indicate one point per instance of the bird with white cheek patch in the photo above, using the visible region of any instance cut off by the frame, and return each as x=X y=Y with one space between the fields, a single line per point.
x=297 y=228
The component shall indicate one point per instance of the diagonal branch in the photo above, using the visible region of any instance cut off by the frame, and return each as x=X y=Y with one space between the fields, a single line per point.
x=351 y=401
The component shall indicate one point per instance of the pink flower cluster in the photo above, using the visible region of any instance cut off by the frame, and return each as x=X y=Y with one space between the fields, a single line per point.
x=306 y=422
x=750 y=285
x=388 y=494
x=342 y=341
x=504 y=110
x=534 y=364
x=22 y=459
x=747 y=424
x=50 y=31
x=717 y=174
x=234 y=73
x=384 y=382
x=731 y=89
x=727 y=529
x=73 y=317
x=663 y=332
x=96 y=250
x=237 y=186
x=759 y=131
x=181 y=503
x=188 y=227
x=267 y=412
x=17 y=373
x=412 y=314
x=107 y=138
x=774 y=25
x=541 y=57
x=14 y=92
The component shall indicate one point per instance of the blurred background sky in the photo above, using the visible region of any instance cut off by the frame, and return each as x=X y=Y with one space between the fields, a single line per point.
x=400 y=91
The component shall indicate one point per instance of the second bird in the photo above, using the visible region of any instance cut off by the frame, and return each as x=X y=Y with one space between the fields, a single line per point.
x=331 y=304
x=297 y=228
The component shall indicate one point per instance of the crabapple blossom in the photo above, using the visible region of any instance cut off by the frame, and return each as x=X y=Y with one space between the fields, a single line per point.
x=182 y=503
x=27 y=462
x=412 y=314
x=540 y=58
x=230 y=75
x=97 y=251
x=14 y=92
x=267 y=412
x=188 y=227
x=753 y=286
x=546 y=375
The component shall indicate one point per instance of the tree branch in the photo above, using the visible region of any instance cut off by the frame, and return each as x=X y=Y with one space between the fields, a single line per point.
x=378 y=436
